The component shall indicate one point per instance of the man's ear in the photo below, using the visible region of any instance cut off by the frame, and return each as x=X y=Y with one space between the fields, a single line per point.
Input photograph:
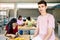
x=46 y=7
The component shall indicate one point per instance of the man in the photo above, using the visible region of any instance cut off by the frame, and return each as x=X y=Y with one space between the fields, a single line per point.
x=45 y=24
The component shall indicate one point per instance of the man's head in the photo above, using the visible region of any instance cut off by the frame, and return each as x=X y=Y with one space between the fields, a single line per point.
x=42 y=5
x=29 y=18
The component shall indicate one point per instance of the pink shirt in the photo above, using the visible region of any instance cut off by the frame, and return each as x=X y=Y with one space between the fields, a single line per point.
x=19 y=22
x=44 y=22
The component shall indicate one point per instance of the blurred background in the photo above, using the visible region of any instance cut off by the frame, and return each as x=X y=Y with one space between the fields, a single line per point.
x=14 y=8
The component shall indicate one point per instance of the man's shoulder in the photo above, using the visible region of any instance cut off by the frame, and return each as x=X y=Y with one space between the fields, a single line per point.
x=39 y=16
x=51 y=15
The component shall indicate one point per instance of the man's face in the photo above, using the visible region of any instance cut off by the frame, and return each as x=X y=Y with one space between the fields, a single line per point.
x=42 y=8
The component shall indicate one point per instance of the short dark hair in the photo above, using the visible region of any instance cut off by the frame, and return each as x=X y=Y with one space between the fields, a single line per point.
x=29 y=18
x=42 y=2
x=19 y=16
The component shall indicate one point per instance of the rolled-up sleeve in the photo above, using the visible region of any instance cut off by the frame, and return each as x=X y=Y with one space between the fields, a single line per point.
x=51 y=22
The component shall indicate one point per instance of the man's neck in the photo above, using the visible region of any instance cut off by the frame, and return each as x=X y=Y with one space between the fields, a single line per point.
x=43 y=14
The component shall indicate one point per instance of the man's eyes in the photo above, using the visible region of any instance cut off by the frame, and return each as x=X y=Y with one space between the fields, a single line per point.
x=41 y=6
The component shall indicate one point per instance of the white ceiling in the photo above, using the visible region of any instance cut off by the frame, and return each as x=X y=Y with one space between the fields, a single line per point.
x=24 y=5
x=52 y=0
x=28 y=1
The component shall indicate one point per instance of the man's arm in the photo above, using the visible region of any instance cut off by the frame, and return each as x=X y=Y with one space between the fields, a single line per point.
x=49 y=33
x=36 y=32
x=51 y=27
x=37 y=28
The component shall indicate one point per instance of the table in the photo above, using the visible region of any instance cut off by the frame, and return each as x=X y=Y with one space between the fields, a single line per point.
x=27 y=28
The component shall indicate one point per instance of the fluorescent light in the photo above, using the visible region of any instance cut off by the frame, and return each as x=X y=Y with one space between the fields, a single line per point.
x=3 y=13
x=33 y=5
x=23 y=5
x=27 y=5
x=7 y=5
x=52 y=4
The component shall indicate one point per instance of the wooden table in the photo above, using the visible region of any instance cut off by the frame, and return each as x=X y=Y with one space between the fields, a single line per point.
x=26 y=28
x=26 y=37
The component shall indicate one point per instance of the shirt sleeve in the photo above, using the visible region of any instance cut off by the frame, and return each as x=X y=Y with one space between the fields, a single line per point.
x=17 y=21
x=37 y=23
x=17 y=28
x=51 y=22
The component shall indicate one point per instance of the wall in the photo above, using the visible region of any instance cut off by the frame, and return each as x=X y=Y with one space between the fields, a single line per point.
x=56 y=13
x=28 y=12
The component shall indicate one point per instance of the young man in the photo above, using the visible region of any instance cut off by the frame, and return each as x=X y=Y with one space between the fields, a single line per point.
x=45 y=24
